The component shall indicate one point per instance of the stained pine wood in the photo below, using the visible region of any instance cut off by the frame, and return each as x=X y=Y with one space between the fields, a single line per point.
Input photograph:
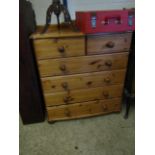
x=82 y=81
x=84 y=109
x=82 y=95
x=82 y=64
x=108 y=43
x=55 y=48
x=78 y=83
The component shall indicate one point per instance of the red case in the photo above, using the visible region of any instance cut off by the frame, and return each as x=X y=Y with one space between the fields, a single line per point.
x=105 y=21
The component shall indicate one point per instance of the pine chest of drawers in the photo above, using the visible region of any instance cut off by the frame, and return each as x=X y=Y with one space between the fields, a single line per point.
x=81 y=76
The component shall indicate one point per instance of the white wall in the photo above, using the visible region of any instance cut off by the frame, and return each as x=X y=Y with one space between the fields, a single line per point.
x=40 y=7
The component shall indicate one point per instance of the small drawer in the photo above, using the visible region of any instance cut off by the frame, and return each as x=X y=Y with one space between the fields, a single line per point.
x=82 y=81
x=108 y=43
x=57 y=48
x=82 y=95
x=84 y=109
x=83 y=64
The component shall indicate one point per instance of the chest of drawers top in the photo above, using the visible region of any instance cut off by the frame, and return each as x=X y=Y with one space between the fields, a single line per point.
x=53 y=32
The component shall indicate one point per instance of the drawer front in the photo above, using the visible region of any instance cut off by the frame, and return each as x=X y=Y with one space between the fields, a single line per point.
x=56 y=48
x=85 y=109
x=108 y=43
x=65 y=66
x=82 y=81
x=82 y=95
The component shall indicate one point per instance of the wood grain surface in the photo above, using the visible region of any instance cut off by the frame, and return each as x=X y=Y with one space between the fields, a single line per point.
x=82 y=81
x=108 y=43
x=55 y=48
x=82 y=95
x=82 y=64
x=84 y=109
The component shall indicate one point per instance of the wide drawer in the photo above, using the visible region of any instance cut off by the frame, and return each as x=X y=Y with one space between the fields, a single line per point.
x=85 y=109
x=108 y=43
x=79 y=81
x=56 y=48
x=82 y=95
x=83 y=64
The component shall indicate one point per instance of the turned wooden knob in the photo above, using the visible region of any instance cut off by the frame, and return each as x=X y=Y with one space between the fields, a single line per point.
x=108 y=63
x=61 y=49
x=107 y=80
x=106 y=94
x=67 y=112
x=63 y=68
x=110 y=44
x=104 y=107
x=65 y=85
x=68 y=99
x=89 y=83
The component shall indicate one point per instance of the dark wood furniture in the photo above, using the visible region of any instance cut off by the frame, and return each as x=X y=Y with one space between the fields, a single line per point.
x=31 y=105
x=129 y=91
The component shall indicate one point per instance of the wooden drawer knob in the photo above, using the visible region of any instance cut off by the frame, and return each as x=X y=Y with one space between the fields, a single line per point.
x=110 y=44
x=67 y=112
x=107 y=80
x=65 y=86
x=89 y=83
x=68 y=99
x=61 y=49
x=108 y=63
x=63 y=68
x=104 y=107
x=106 y=94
